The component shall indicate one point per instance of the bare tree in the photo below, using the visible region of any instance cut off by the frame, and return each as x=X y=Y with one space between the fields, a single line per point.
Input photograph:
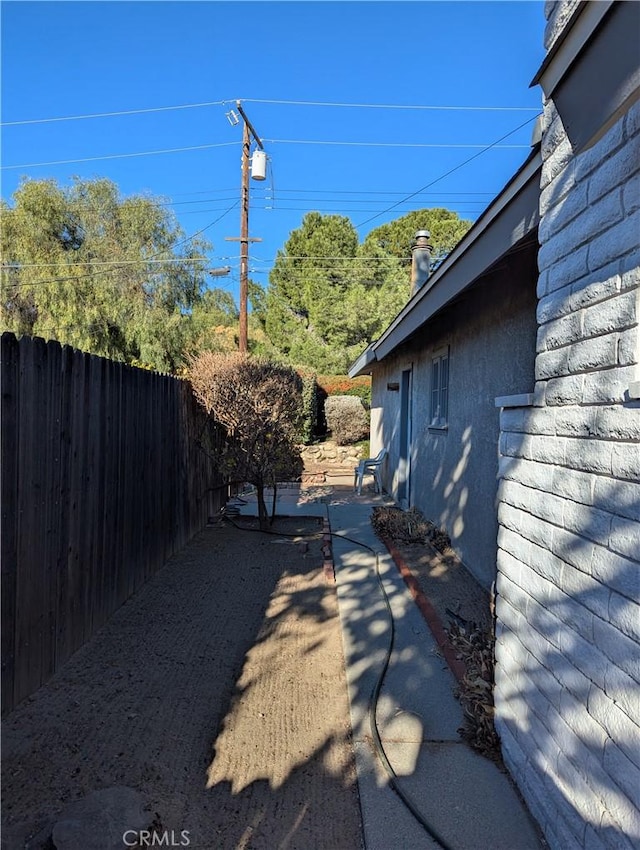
x=260 y=404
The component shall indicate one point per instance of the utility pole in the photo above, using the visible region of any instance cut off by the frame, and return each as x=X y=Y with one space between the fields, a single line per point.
x=247 y=133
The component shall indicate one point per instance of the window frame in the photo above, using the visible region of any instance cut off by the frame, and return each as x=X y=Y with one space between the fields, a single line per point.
x=439 y=389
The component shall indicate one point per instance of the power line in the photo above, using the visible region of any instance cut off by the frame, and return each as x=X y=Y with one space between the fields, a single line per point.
x=333 y=210
x=297 y=279
x=211 y=223
x=468 y=198
x=394 y=106
x=112 y=114
x=327 y=142
x=446 y=174
x=446 y=145
x=274 y=102
x=334 y=143
x=308 y=257
x=315 y=200
x=120 y=155
x=57 y=280
x=370 y=192
x=341 y=200
x=202 y=201
x=311 y=207
x=19 y=266
x=258 y=188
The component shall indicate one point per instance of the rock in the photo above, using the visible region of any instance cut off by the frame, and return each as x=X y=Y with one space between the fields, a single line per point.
x=100 y=820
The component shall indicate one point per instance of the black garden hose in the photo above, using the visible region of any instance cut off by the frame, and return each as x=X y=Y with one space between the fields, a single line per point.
x=373 y=707
x=375 y=694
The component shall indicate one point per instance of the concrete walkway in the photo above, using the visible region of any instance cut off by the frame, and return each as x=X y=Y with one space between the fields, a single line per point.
x=464 y=798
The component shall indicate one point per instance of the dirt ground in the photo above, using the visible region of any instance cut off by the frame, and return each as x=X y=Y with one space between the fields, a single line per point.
x=450 y=587
x=217 y=691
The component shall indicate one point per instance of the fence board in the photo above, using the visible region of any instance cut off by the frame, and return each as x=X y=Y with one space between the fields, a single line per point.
x=50 y=500
x=10 y=360
x=102 y=482
x=62 y=635
x=29 y=594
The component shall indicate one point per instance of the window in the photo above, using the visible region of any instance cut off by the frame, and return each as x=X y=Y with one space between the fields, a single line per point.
x=440 y=389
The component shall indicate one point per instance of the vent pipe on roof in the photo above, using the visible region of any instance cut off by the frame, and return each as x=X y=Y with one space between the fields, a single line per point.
x=421 y=252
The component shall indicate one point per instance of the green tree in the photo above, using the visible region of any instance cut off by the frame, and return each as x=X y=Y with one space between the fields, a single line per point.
x=396 y=237
x=257 y=303
x=329 y=295
x=213 y=322
x=304 y=314
x=109 y=275
x=390 y=245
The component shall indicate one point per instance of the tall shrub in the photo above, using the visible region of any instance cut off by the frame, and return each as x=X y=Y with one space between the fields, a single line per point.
x=310 y=406
x=259 y=403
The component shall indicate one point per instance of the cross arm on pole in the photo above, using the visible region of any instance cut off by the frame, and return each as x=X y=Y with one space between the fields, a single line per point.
x=249 y=125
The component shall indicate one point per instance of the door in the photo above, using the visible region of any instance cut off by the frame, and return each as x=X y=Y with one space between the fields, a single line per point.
x=404 y=457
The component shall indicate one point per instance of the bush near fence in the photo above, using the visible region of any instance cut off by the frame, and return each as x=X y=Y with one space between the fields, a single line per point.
x=107 y=470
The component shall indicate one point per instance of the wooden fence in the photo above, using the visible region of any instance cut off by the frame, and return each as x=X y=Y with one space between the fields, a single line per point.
x=104 y=477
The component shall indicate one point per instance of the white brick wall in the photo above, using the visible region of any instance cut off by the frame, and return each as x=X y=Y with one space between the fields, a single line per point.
x=568 y=632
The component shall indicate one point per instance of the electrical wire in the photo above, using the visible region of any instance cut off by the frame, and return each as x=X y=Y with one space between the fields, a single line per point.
x=304 y=280
x=375 y=192
x=258 y=100
x=315 y=257
x=121 y=155
x=113 y=271
x=391 y=144
x=323 y=210
x=318 y=199
x=446 y=174
x=256 y=189
x=108 y=263
x=117 y=268
x=206 y=227
x=112 y=114
x=236 y=143
x=394 y=106
x=332 y=210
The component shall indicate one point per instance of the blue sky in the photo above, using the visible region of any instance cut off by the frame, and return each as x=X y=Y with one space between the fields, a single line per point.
x=282 y=59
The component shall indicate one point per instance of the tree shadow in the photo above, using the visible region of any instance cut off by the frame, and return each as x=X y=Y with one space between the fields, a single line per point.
x=567 y=650
x=417 y=716
x=141 y=704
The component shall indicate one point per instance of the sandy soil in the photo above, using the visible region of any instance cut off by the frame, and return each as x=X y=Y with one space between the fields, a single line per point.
x=450 y=587
x=218 y=691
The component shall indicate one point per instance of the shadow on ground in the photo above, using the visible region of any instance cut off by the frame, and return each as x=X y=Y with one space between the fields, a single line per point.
x=217 y=691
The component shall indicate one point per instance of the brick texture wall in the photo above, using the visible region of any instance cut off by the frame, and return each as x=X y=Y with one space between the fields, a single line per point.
x=568 y=659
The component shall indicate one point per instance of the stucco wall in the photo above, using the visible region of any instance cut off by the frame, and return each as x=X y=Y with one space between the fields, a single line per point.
x=491 y=337
x=568 y=660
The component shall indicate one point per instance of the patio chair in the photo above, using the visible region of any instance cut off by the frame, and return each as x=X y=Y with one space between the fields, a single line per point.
x=369 y=466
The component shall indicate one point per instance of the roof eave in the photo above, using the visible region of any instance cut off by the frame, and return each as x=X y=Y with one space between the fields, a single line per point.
x=429 y=299
x=362 y=366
